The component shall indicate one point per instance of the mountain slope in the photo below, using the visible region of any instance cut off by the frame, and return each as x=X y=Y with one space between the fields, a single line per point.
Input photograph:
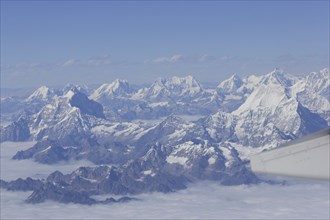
x=135 y=155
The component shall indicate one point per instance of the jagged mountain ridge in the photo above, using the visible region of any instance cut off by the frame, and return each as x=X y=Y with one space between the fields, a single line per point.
x=265 y=111
x=269 y=103
x=262 y=111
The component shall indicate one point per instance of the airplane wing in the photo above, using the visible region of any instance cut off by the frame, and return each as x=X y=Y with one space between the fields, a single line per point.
x=306 y=157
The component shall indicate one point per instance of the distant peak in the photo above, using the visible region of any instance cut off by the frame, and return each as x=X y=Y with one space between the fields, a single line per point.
x=325 y=71
x=118 y=87
x=42 y=90
x=277 y=71
x=43 y=93
x=187 y=81
x=189 y=78
x=75 y=88
x=120 y=81
x=234 y=76
x=277 y=76
x=113 y=86
x=232 y=84
x=178 y=79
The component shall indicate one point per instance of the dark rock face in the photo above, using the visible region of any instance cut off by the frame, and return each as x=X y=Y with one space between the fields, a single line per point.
x=165 y=155
x=51 y=151
x=46 y=151
x=20 y=184
x=52 y=192
x=3 y=184
x=86 y=105
x=17 y=131
x=311 y=122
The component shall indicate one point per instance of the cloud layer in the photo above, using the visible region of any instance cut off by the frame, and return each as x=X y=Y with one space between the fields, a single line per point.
x=180 y=58
x=297 y=199
x=13 y=169
x=92 y=61
x=105 y=68
x=204 y=200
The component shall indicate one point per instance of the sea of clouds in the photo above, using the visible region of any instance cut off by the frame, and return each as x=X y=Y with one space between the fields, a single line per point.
x=13 y=169
x=296 y=199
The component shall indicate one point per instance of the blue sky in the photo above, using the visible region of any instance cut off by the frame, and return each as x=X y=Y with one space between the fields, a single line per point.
x=89 y=42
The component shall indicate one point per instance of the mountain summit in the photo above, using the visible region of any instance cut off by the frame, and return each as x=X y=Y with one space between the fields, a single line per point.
x=194 y=134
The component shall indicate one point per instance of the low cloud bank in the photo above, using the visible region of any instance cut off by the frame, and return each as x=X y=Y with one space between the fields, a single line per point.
x=13 y=169
x=203 y=200
x=297 y=199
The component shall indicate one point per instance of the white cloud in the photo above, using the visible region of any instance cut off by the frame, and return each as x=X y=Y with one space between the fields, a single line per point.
x=298 y=199
x=32 y=70
x=24 y=66
x=206 y=58
x=98 y=61
x=70 y=62
x=92 y=61
x=204 y=200
x=172 y=59
x=13 y=169
x=226 y=58
x=179 y=58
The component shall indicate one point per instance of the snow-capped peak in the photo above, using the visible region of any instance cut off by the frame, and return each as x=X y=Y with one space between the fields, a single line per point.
x=189 y=80
x=119 y=84
x=116 y=88
x=319 y=82
x=269 y=93
x=80 y=88
x=231 y=85
x=174 y=87
x=325 y=71
x=277 y=76
x=43 y=94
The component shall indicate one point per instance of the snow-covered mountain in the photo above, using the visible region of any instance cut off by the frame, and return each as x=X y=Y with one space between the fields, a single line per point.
x=41 y=94
x=109 y=126
x=312 y=91
x=272 y=106
x=39 y=98
x=174 y=88
x=81 y=88
x=116 y=99
x=68 y=116
x=231 y=85
x=233 y=93
x=116 y=89
x=182 y=95
x=319 y=82
x=253 y=103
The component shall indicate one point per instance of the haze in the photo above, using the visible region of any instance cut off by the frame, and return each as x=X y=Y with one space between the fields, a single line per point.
x=84 y=42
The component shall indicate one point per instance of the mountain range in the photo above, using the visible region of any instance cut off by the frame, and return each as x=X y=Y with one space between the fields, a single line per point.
x=141 y=140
